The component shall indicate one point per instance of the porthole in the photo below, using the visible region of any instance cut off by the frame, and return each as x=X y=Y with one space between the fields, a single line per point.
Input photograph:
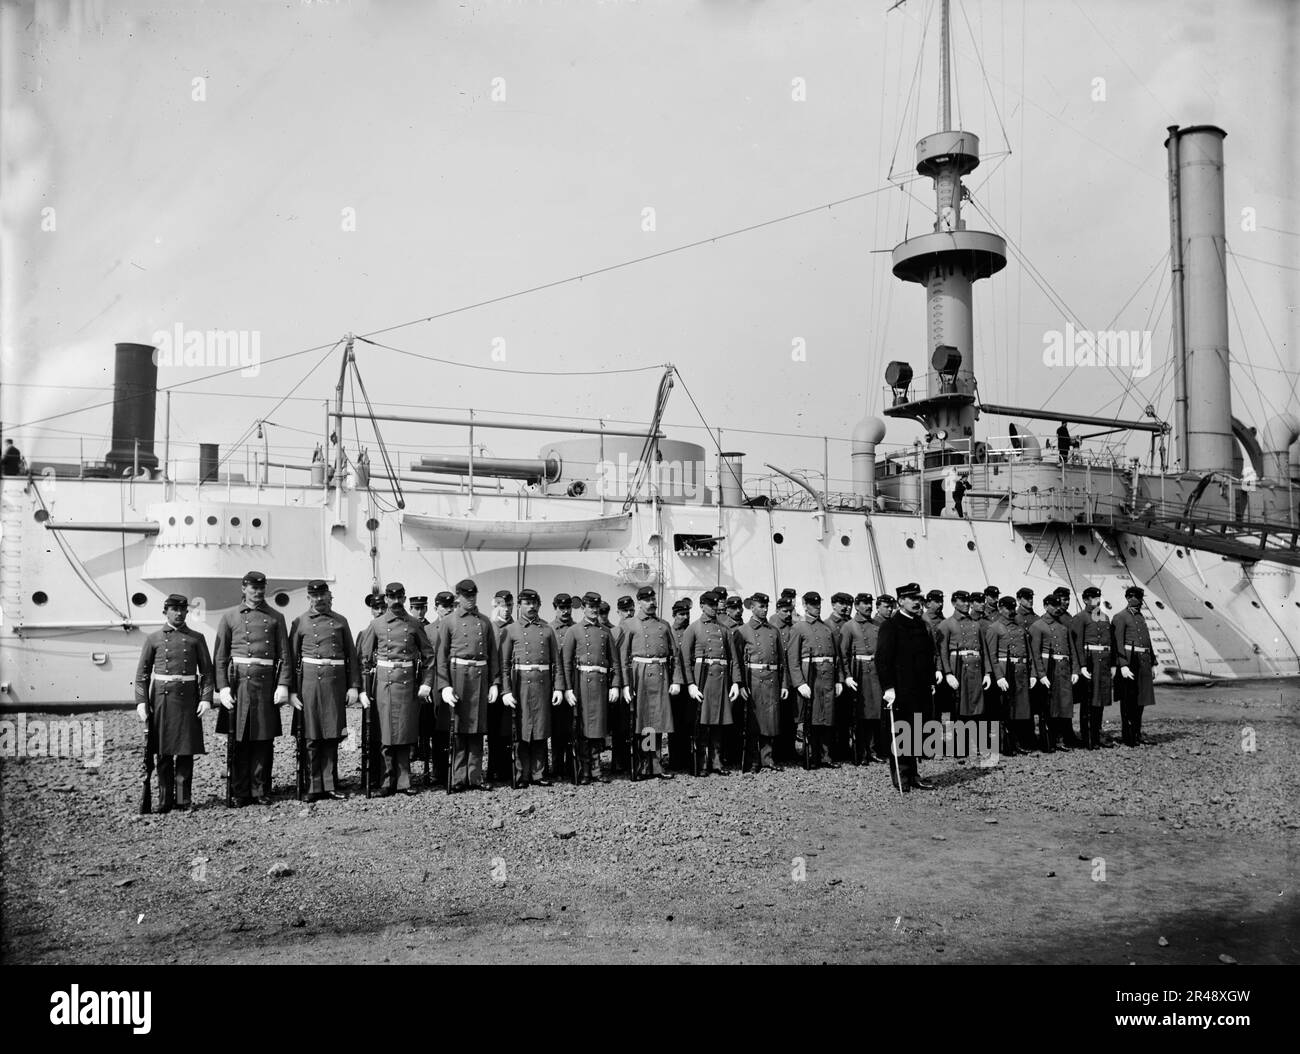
x=281 y=600
x=1083 y=550
x=1209 y=605
x=1028 y=548
x=911 y=543
x=41 y=515
x=257 y=521
x=372 y=524
x=1132 y=550
x=39 y=598
x=1178 y=553
x=970 y=546
x=212 y=521
x=234 y=521
x=171 y=521
x=844 y=539
x=139 y=599
x=189 y=521
x=1254 y=603
x=1160 y=605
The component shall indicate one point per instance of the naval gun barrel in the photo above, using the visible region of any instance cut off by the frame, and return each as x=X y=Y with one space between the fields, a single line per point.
x=533 y=470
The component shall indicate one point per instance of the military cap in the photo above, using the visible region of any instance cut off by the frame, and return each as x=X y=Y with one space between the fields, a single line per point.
x=444 y=598
x=909 y=590
x=759 y=598
x=841 y=598
x=645 y=593
x=317 y=586
x=604 y=607
x=688 y=600
x=467 y=588
x=562 y=600
x=175 y=600
x=254 y=578
x=1062 y=591
x=734 y=601
x=419 y=602
x=885 y=598
x=864 y=598
x=527 y=594
x=1008 y=602
x=1134 y=591
x=934 y=594
x=374 y=599
x=976 y=596
x=709 y=597
x=992 y=591
x=784 y=604
x=680 y=607
x=1055 y=599
x=960 y=594
x=394 y=589
x=1090 y=592
x=591 y=597
x=789 y=594
x=1024 y=593
x=812 y=597
x=507 y=596
x=625 y=602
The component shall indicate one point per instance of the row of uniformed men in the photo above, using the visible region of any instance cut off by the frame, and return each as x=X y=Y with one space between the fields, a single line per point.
x=735 y=673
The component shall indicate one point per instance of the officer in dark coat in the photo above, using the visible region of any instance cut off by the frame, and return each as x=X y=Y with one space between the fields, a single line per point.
x=1092 y=640
x=469 y=678
x=652 y=675
x=593 y=677
x=404 y=672
x=813 y=655
x=176 y=660
x=500 y=719
x=1135 y=658
x=533 y=678
x=905 y=659
x=763 y=684
x=253 y=674
x=327 y=671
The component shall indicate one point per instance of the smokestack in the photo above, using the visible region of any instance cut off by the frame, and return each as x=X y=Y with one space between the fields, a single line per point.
x=209 y=462
x=1196 y=156
x=135 y=392
x=1280 y=435
x=866 y=434
x=731 y=473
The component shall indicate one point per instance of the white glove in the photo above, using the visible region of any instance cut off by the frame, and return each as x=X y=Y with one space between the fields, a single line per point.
x=889 y=696
x=938 y=676
x=448 y=696
x=365 y=701
x=1074 y=678
x=952 y=681
x=296 y=700
x=744 y=693
x=987 y=680
x=1044 y=682
x=627 y=694
x=226 y=699
x=694 y=692
x=674 y=689
x=204 y=707
x=785 y=693
x=838 y=688
x=1112 y=673
x=492 y=693
x=851 y=683
x=571 y=697
x=1126 y=673
x=1086 y=674
x=734 y=694
x=281 y=695
x=613 y=695
x=509 y=699
x=805 y=691
x=352 y=696
x=1002 y=683
x=140 y=712
x=558 y=697
x=425 y=692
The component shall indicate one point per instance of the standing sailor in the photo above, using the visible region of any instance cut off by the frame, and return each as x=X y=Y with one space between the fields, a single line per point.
x=176 y=660
x=962 y=658
x=328 y=674
x=469 y=672
x=443 y=605
x=424 y=749
x=712 y=674
x=375 y=763
x=619 y=715
x=652 y=675
x=1007 y=643
x=933 y=616
x=593 y=676
x=905 y=658
x=762 y=667
x=1093 y=641
x=814 y=658
x=1136 y=660
x=858 y=638
x=1049 y=652
x=534 y=683
x=783 y=620
x=403 y=659
x=562 y=717
x=679 y=740
x=500 y=720
x=253 y=675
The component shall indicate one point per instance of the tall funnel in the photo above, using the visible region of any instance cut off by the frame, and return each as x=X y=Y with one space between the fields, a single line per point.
x=1198 y=252
x=135 y=393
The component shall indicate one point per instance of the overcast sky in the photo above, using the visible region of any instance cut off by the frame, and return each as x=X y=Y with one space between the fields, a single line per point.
x=228 y=211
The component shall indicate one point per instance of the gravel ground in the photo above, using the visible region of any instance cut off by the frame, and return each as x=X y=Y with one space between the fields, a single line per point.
x=1091 y=856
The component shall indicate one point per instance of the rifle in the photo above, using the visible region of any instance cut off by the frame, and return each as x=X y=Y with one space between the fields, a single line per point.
x=632 y=734
x=226 y=724
x=576 y=738
x=515 y=732
x=367 y=733
x=298 y=729
x=451 y=749
x=744 y=728
x=150 y=749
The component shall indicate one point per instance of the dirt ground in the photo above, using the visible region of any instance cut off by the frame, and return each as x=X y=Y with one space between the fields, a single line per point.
x=1090 y=856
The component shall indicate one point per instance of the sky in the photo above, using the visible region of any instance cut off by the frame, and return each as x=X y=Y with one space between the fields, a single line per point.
x=298 y=171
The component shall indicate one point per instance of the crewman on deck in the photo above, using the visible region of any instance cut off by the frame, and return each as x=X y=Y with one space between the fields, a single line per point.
x=652 y=675
x=1093 y=641
x=253 y=674
x=404 y=673
x=1006 y=643
x=905 y=658
x=813 y=655
x=962 y=658
x=761 y=654
x=562 y=717
x=712 y=673
x=469 y=678
x=1049 y=654
x=593 y=676
x=500 y=721
x=173 y=686
x=534 y=686
x=1136 y=662
x=327 y=674
x=861 y=679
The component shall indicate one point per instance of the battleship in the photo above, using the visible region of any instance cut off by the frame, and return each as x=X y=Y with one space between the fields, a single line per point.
x=973 y=490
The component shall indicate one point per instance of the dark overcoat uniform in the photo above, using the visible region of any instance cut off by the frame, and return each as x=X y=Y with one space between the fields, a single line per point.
x=858 y=638
x=651 y=663
x=1049 y=653
x=762 y=669
x=961 y=653
x=710 y=663
x=905 y=659
x=1133 y=649
x=591 y=669
x=176 y=659
x=1093 y=641
x=813 y=655
x=326 y=665
x=252 y=660
x=530 y=663
x=1007 y=644
x=403 y=658
x=468 y=661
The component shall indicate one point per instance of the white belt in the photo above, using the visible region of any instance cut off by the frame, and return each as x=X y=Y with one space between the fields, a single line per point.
x=865 y=657
x=324 y=662
x=1053 y=655
x=820 y=658
x=533 y=666
x=1097 y=647
x=1136 y=647
x=648 y=658
x=967 y=651
x=396 y=664
x=469 y=662
x=1014 y=658
x=252 y=661
x=188 y=677
x=594 y=669
x=714 y=662
x=762 y=666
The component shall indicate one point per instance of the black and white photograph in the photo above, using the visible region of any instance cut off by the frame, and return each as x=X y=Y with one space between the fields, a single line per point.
x=652 y=482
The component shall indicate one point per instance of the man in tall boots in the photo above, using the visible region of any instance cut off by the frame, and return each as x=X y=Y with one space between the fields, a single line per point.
x=1136 y=662
x=253 y=675
x=593 y=675
x=469 y=678
x=815 y=670
x=905 y=659
x=173 y=685
x=534 y=686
